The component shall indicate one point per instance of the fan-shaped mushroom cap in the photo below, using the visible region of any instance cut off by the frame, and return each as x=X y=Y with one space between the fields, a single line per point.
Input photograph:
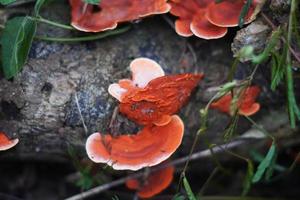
x=246 y=104
x=156 y=182
x=162 y=96
x=143 y=71
x=227 y=13
x=107 y=15
x=6 y=143
x=149 y=147
x=202 y=28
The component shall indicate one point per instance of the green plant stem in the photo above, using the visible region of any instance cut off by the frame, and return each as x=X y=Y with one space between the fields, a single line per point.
x=52 y=23
x=84 y=38
x=233 y=69
x=292 y=105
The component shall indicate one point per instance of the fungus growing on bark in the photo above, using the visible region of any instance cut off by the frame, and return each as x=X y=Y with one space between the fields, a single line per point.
x=246 y=104
x=206 y=18
x=149 y=147
x=107 y=15
x=6 y=143
x=152 y=97
x=155 y=183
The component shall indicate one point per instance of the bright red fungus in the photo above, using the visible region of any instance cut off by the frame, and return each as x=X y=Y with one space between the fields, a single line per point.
x=246 y=103
x=155 y=183
x=109 y=13
x=192 y=20
x=206 y=18
x=6 y=143
x=151 y=96
x=227 y=12
x=150 y=146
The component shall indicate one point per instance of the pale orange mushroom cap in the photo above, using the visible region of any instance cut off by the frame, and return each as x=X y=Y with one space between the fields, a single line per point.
x=143 y=71
x=109 y=13
x=6 y=143
x=155 y=183
x=149 y=147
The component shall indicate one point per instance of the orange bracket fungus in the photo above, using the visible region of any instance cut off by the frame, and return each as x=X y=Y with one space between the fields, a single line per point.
x=150 y=146
x=107 y=15
x=208 y=19
x=6 y=143
x=155 y=183
x=246 y=104
x=151 y=96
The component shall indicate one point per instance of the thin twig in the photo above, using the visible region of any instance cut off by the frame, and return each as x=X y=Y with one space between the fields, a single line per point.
x=195 y=156
x=81 y=117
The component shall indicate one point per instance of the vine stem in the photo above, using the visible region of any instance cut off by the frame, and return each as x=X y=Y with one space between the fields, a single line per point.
x=52 y=23
x=84 y=38
x=289 y=72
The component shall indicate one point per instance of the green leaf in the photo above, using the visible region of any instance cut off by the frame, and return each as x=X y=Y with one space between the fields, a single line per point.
x=38 y=5
x=16 y=42
x=6 y=2
x=244 y=12
x=271 y=168
x=94 y=2
x=277 y=70
x=248 y=178
x=265 y=164
x=188 y=189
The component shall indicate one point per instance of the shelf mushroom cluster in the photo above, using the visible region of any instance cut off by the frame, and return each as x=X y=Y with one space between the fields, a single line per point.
x=207 y=19
x=150 y=99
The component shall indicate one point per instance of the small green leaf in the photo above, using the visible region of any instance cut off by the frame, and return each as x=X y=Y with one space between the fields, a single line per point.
x=188 y=189
x=38 y=5
x=16 y=41
x=94 y=2
x=6 y=2
x=271 y=168
x=265 y=164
